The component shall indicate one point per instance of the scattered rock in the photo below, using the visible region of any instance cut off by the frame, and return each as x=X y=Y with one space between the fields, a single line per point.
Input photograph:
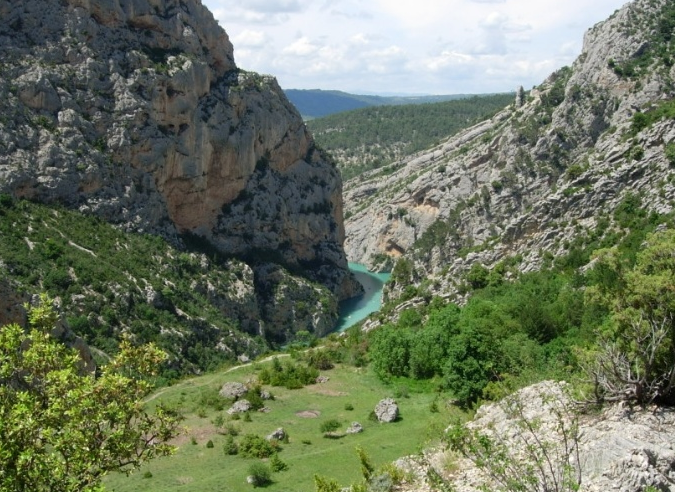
x=355 y=428
x=322 y=379
x=232 y=390
x=265 y=410
x=266 y=395
x=241 y=406
x=244 y=359
x=279 y=435
x=387 y=410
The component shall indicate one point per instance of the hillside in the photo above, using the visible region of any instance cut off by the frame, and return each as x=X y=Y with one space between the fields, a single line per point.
x=548 y=177
x=373 y=137
x=532 y=260
x=201 y=307
x=317 y=103
x=136 y=113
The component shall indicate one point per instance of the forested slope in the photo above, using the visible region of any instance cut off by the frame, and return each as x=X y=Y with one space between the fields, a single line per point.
x=372 y=137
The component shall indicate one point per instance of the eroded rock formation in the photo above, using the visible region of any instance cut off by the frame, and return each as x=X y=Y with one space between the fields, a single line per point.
x=134 y=110
x=552 y=167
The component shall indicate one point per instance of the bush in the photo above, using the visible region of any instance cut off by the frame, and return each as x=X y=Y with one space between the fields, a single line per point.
x=230 y=447
x=277 y=464
x=259 y=474
x=670 y=153
x=209 y=444
x=330 y=425
x=254 y=446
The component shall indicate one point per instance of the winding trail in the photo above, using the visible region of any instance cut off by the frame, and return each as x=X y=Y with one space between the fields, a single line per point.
x=208 y=380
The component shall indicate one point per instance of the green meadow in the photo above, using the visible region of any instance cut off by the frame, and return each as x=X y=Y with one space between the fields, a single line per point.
x=350 y=395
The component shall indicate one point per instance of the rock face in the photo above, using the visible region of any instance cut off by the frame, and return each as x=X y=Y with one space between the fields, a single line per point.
x=623 y=449
x=386 y=410
x=135 y=111
x=551 y=167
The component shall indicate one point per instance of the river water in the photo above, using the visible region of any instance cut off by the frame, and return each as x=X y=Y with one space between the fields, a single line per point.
x=358 y=308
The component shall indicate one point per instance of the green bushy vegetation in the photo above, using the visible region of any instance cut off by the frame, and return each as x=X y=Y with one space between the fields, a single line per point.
x=659 y=47
x=288 y=374
x=61 y=429
x=511 y=333
x=109 y=281
x=376 y=136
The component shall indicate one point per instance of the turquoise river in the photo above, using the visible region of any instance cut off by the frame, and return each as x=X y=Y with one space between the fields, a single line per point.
x=354 y=310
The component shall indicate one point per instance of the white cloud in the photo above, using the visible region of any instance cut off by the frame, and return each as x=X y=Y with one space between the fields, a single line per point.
x=426 y=46
x=250 y=39
x=272 y=6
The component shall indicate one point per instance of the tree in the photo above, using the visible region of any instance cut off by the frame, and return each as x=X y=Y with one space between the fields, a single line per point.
x=390 y=351
x=63 y=429
x=635 y=354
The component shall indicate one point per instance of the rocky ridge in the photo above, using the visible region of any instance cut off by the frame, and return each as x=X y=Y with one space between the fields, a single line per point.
x=134 y=110
x=552 y=166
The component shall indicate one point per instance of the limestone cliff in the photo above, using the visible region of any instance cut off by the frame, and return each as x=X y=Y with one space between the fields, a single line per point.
x=553 y=166
x=135 y=111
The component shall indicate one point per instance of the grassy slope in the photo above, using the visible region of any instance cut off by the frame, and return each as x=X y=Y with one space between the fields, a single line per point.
x=198 y=468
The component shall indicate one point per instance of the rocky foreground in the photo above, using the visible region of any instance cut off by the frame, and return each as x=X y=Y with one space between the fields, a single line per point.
x=623 y=448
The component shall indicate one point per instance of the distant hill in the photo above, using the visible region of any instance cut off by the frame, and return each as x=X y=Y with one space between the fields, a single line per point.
x=368 y=138
x=315 y=103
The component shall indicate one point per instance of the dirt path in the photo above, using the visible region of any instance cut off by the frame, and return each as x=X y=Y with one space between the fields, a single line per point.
x=204 y=380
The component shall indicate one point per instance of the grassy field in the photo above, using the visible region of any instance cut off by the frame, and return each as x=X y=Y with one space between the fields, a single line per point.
x=196 y=467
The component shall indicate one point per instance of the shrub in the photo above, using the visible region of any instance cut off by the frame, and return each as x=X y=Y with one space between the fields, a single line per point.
x=324 y=484
x=330 y=425
x=230 y=447
x=255 y=446
x=259 y=474
x=209 y=444
x=349 y=407
x=277 y=464
x=670 y=153
x=231 y=430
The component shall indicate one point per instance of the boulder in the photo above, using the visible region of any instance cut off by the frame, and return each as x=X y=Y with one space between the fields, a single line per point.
x=266 y=395
x=279 y=435
x=241 y=406
x=355 y=428
x=232 y=390
x=387 y=410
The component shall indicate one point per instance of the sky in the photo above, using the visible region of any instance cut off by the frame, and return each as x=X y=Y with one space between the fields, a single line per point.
x=408 y=47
